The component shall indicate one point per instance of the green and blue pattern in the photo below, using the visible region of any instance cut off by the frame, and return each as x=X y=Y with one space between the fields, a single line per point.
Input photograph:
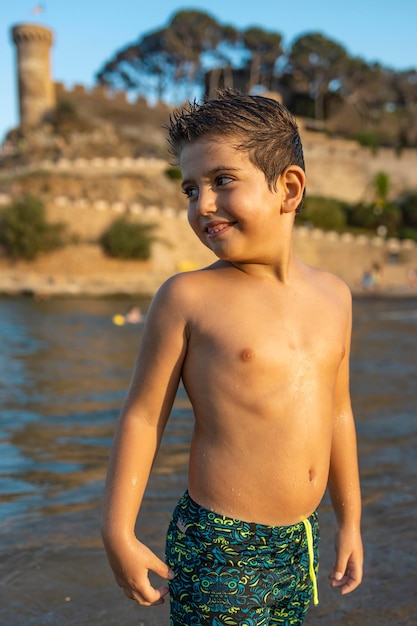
x=234 y=573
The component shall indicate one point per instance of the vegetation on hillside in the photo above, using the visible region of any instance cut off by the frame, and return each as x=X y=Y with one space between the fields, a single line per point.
x=125 y=239
x=315 y=75
x=25 y=232
x=381 y=216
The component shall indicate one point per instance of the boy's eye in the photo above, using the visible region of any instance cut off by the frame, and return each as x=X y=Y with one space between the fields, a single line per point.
x=190 y=192
x=222 y=180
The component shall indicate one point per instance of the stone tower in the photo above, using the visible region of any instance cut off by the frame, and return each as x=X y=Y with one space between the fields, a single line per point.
x=36 y=89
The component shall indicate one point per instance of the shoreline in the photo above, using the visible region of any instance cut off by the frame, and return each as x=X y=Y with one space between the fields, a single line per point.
x=43 y=290
x=84 y=272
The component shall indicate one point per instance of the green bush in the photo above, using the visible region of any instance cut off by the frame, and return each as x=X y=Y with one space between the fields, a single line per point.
x=24 y=231
x=66 y=119
x=370 y=216
x=326 y=213
x=381 y=183
x=408 y=233
x=125 y=239
x=408 y=206
x=368 y=138
x=66 y=110
x=173 y=173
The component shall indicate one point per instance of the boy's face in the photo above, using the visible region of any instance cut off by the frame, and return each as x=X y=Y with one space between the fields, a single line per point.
x=230 y=207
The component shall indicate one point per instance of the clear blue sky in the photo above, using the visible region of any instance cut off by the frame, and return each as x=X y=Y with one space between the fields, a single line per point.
x=87 y=32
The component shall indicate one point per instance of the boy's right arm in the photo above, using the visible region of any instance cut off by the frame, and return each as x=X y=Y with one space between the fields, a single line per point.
x=138 y=435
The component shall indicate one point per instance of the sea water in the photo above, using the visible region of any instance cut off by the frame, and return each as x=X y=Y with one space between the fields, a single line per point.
x=64 y=370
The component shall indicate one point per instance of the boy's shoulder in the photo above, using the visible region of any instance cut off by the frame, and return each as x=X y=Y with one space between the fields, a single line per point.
x=185 y=286
x=328 y=284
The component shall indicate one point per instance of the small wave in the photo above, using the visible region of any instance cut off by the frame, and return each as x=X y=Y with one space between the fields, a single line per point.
x=402 y=316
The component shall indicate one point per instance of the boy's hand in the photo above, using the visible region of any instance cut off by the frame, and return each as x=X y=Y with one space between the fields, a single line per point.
x=347 y=571
x=131 y=570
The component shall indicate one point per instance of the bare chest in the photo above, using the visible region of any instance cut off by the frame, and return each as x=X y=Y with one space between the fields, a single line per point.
x=262 y=340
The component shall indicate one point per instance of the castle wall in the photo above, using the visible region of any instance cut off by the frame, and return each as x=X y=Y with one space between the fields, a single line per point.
x=177 y=248
x=336 y=168
x=341 y=169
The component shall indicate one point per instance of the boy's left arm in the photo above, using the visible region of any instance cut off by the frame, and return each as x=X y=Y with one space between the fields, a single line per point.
x=344 y=486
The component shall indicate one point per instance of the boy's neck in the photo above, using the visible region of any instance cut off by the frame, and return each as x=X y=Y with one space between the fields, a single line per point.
x=282 y=270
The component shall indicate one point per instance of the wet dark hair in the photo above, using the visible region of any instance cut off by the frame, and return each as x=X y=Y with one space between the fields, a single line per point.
x=262 y=127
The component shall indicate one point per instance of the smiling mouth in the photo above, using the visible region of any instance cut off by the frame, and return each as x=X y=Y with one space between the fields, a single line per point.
x=216 y=229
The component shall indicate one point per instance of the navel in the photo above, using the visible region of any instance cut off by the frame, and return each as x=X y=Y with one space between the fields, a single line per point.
x=246 y=354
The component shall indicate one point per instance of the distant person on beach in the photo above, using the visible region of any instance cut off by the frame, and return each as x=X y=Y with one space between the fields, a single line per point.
x=372 y=279
x=367 y=281
x=261 y=343
x=411 y=277
x=133 y=315
x=376 y=273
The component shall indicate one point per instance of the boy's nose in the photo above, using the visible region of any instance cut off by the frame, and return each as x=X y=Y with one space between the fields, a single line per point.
x=206 y=202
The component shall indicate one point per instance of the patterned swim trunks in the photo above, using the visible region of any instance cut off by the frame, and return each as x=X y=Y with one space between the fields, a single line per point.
x=234 y=573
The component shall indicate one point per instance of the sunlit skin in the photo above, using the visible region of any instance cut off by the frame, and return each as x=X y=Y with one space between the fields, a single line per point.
x=261 y=342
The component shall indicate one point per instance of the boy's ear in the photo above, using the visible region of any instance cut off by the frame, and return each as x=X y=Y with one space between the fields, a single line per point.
x=293 y=181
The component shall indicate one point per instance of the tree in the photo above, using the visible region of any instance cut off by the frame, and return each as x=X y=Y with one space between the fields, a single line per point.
x=315 y=63
x=265 y=48
x=357 y=85
x=194 y=54
x=367 y=87
x=169 y=61
x=147 y=67
x=172 y=62
x=405 y=87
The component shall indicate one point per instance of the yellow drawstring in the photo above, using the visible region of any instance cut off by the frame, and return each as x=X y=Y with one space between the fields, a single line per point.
x=307 y=526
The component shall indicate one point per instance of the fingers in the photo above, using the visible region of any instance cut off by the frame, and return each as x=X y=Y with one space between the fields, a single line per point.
x=148 y=595
x=140 y=589
x=345 y=584
x=347 y=581
x=161 y=569
x=348 y=569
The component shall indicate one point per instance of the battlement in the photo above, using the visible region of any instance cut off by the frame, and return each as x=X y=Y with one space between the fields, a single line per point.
x=125 y=164
x=32 y=32
x=96 y=94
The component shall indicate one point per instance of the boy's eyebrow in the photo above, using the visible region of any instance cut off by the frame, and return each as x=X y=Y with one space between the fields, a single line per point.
x=216 y=170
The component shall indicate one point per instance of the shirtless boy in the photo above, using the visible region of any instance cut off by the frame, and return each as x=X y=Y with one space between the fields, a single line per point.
x=261 y=342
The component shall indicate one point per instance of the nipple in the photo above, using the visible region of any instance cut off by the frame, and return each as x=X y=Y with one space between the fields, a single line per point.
x=246 y=354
